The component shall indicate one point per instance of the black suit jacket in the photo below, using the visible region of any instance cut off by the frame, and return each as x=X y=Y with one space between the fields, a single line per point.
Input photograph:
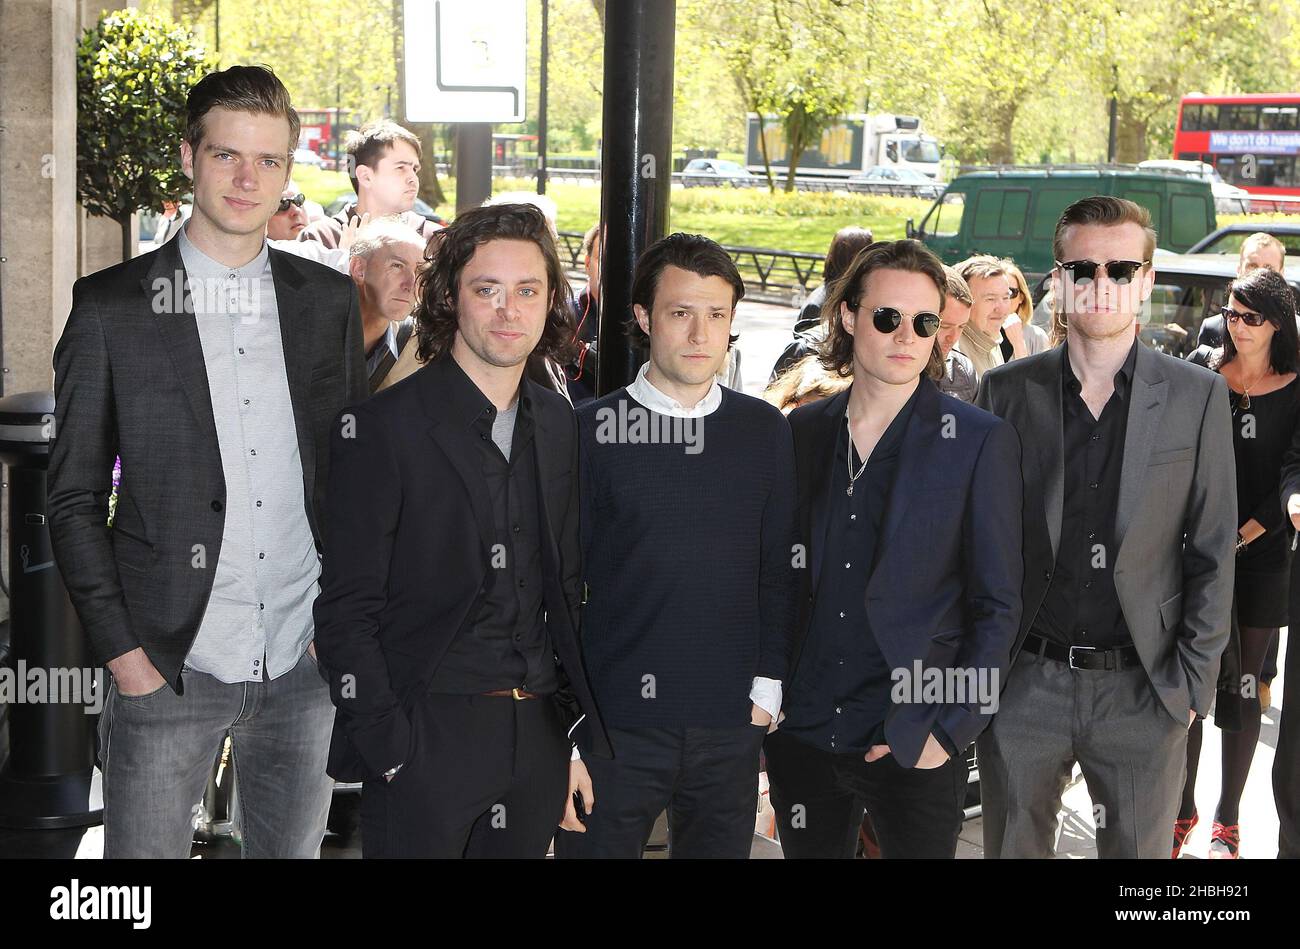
x=130 y=380
x=945 y=581
x=407 y=546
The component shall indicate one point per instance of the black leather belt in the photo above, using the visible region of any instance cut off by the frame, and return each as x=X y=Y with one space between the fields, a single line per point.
x=1084 y=657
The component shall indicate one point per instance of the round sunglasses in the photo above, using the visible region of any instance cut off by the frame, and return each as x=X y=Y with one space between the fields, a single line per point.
x=886 y=319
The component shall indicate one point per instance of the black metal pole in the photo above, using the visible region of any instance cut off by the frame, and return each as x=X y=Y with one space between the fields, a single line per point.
x=636 y=165
x=541 y=99
x=473 y=164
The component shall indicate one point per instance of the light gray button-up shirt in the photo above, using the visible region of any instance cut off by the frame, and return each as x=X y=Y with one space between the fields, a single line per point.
x=258 y=620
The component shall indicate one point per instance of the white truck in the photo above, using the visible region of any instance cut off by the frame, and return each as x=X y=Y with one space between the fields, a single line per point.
x=853 y=146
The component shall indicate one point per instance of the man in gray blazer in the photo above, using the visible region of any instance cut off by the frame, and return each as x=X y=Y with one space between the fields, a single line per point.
x=214 y=367
x=1130 y=523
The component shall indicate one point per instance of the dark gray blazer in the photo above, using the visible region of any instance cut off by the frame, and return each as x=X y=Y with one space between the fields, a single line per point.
x=1177 y=519
x=130 y=380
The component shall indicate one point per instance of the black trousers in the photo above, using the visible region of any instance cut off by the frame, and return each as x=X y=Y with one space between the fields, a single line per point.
x=1286 y=759
x=707 y=778
x=819 y=797
x=487 y=777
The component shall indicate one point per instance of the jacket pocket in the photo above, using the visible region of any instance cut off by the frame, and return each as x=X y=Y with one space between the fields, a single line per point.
x=1171 y=611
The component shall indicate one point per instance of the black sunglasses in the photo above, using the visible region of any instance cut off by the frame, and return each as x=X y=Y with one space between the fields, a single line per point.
x=886 y=319
x=1250 y=319
x=297 y=201
x=1119 y=271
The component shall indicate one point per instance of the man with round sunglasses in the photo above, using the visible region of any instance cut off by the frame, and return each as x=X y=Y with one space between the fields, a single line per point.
x=1129 y=528
x=909 y=515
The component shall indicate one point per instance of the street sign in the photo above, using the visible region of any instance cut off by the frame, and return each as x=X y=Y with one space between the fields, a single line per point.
x=466 y=60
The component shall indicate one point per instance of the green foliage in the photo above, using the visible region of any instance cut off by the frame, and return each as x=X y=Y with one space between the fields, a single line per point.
x=133 y=74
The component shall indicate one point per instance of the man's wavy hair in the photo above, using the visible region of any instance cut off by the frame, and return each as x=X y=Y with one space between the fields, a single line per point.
x=438 y=284
x=836 y=351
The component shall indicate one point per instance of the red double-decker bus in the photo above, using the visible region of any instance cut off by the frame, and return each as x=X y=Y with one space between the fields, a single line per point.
x=1253 y=141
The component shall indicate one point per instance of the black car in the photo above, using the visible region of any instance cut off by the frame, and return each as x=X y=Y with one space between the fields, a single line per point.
x=1228 y=240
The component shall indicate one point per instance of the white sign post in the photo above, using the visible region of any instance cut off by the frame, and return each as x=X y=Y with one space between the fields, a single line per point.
x=466 y=60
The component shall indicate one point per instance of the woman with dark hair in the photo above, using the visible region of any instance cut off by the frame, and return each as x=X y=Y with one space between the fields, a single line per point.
x=1258 y=360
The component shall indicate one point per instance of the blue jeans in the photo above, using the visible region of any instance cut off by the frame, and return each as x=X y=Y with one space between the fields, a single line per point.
x=157 y=750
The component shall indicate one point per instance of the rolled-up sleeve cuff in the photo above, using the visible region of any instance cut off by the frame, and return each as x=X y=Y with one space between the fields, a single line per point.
x=766 y=694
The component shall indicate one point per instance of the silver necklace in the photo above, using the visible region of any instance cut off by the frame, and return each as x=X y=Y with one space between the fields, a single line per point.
x=849 y=457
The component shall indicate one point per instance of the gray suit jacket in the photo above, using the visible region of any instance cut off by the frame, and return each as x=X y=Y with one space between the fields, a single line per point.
x=1176 y=525
x=130 y=380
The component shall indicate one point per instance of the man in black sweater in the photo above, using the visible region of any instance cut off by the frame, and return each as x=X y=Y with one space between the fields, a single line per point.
x=687 y=533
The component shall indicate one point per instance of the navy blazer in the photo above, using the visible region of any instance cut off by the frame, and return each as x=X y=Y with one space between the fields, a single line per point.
x=945 y=581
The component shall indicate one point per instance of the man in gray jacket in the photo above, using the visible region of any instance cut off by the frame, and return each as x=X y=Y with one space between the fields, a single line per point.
x=1130 y=523
x=214 y=367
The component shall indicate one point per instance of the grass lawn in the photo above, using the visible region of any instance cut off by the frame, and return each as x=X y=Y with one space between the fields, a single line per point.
x=745 y=217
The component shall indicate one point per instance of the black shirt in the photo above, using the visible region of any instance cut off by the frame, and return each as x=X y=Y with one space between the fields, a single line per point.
x=1081 y=607
x=841 y=689
x=506 y=645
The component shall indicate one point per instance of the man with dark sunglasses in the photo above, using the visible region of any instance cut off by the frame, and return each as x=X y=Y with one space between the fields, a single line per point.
x=909 y=516
x=1129 y=528
x=290 y=216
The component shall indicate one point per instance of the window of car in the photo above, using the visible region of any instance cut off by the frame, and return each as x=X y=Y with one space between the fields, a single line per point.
x=1190 y=212
x=1178 y=305
x=944 y=219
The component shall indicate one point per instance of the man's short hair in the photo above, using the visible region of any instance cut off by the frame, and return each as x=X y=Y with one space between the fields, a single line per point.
x=368 y=144
x=692 y=252
x=438 y=285
x=910 y=256
x=382 y=232
x=847 y=243
x=1260 y=241
x=958 y=288
x=1107 y=211
x=590 y=239
x=252 y=89
x=982 y=266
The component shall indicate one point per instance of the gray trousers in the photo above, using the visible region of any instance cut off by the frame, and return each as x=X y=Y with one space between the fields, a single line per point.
x=1132 y=752
x=157 y=750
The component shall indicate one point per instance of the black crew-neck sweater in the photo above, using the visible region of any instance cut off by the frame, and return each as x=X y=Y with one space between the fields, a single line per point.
x=688 y=558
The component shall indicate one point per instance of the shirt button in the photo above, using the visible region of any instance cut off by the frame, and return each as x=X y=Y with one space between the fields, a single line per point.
x=853 y=517
x=1095 y=485
x=838 y=710
x=847 y=565
x=216 y=506
x=1087 y=584
x=261 y=606
x=1047 y=574
x=259 y=503
x=252 y=451
x=261 y=556
x=1091 y=534
x=1096 y=438
x=521 y=584
x=232 y=276
x=241 y=350
x=516 y=528
x=245 y=401
x=841 y=614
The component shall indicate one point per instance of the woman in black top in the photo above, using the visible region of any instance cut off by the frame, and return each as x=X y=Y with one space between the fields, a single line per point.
x=1258 y=361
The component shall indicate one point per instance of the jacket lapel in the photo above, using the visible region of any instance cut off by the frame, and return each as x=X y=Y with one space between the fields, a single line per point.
x=295 y=331
x=167 y=289
x=824 y=443
x=1146 y=407
x=1043 y=404
x=917 y=464
x=450 y=435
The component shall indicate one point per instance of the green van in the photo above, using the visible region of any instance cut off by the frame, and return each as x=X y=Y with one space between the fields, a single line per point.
x=1012 y=211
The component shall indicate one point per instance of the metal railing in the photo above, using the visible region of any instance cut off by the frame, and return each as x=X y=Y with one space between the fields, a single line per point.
x=771 y=276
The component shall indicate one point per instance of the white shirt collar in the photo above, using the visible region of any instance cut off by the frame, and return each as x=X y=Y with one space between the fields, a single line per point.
x=644 y=392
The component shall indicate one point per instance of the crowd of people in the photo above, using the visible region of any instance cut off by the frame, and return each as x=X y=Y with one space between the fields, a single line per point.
x=375 y=525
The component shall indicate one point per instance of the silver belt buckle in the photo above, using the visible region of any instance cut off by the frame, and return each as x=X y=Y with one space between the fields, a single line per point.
x=1085 y=648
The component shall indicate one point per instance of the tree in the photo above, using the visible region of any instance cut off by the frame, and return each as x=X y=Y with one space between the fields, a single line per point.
x=792 y=59
x=134 y=72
